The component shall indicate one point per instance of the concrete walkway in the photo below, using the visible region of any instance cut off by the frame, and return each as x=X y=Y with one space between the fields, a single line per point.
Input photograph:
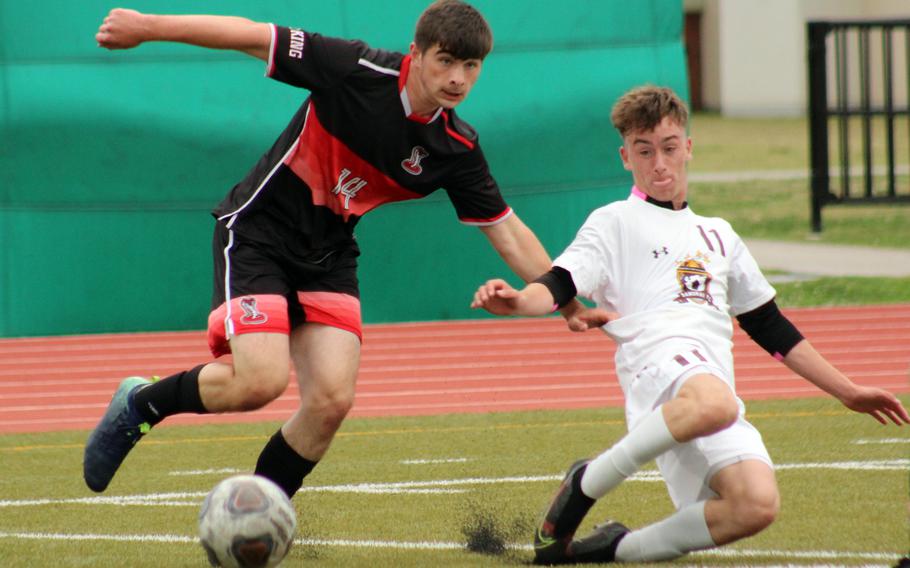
x=782 y=175
x=817 y=259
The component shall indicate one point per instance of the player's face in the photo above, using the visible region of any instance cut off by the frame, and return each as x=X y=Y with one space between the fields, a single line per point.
x=657 y=160
x=438 y=79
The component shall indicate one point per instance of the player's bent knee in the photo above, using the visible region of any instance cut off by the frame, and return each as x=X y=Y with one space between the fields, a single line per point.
x=757 y=511
x=332 y=407
x=710 y=405
x=260 y=395
x=333 y=417
x=337 y=408
x=727 y=413
x=255 y=390
x=717 y=415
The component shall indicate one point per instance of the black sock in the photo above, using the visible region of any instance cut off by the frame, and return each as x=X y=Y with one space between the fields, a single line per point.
x=172 y=395
x=280 y=463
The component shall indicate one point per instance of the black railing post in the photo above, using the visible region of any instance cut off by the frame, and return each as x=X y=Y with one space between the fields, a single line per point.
x=888 y=86
x=865 y=107
x=818 y=120
x=857 y=95
x=842 y=94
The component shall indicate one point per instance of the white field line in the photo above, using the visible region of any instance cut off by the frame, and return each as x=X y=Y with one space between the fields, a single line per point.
x=874 y=465
x=442 y=545
x=182 y=499
x=781 y=175
x=434 y=461
x=231 y=470
x=194 y=472
x=192 y=499
x=863 y=442
x=796 y=554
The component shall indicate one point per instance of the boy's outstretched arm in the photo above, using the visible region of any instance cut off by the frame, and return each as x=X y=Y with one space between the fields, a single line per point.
x=804 y=360
x=498 y=297
x=125 y=29
x=521 y=250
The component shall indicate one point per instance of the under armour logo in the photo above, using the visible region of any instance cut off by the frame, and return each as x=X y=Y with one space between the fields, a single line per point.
x=412 y=164
x=348 y=188
x=660 y=251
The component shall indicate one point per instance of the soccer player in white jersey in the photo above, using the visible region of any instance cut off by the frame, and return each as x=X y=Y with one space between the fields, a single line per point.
x=666 y=282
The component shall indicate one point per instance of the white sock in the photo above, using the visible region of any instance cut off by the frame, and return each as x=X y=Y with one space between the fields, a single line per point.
x=645 y=442
x=681 y=532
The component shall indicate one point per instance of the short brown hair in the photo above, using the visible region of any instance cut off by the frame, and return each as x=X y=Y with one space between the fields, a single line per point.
x=457 y=27
x=643 y=108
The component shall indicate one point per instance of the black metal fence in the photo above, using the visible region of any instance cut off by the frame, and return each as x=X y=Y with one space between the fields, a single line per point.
x=866 y=66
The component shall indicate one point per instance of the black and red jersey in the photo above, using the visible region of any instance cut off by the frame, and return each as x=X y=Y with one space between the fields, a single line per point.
x=352 y=146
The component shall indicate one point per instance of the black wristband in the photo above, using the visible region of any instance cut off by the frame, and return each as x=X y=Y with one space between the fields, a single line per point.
x=560 y=284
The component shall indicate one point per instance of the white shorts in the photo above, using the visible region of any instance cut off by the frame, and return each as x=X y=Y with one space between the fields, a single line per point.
x=688 y=468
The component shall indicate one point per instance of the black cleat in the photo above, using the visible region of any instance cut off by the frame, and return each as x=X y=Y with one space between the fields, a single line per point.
x=114 y=436
x=568 y=508
x=600 y=545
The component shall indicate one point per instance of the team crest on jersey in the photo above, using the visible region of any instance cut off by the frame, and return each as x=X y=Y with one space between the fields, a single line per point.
x=694 y=282
x=412 y=164
x=251 y=314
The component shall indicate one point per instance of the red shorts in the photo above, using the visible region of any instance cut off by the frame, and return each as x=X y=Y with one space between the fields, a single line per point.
x=259 y=291
x=268 y=313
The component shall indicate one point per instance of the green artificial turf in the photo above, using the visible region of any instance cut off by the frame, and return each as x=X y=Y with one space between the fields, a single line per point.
x=482 y=484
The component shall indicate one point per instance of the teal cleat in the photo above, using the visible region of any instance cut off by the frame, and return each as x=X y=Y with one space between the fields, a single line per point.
x=114 y=436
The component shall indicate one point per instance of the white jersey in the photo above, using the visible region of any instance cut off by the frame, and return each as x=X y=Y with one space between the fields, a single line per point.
x=674 y=277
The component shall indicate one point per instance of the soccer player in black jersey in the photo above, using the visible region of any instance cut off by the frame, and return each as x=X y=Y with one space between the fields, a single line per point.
x=377 y=127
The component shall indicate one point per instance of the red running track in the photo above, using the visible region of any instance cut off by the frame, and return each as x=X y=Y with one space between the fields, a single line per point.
x=65 y=383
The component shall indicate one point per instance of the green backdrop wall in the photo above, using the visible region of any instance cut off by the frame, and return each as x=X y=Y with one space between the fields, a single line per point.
x=111 y=161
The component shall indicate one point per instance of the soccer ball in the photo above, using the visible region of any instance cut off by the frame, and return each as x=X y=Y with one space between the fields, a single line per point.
x=246 y=521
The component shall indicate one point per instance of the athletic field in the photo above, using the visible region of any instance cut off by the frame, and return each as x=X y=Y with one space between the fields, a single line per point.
x=460 y=433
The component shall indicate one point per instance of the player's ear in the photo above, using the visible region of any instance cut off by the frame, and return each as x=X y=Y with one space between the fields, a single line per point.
x=625 y=158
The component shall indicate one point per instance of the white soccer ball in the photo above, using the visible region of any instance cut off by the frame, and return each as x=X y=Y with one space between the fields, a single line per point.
x=246 y=521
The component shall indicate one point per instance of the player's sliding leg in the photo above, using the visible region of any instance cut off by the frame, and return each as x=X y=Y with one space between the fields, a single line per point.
x=326 y=360
x=746 y=502
x=702 y=406
x=672 y=537
x=561 y=519
x=722 y=484
x=258 y=375
x=599 y=546
x=587 y=482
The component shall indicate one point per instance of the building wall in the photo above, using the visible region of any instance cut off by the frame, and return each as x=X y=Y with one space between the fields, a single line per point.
x=754 y=51
x=759 y=62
